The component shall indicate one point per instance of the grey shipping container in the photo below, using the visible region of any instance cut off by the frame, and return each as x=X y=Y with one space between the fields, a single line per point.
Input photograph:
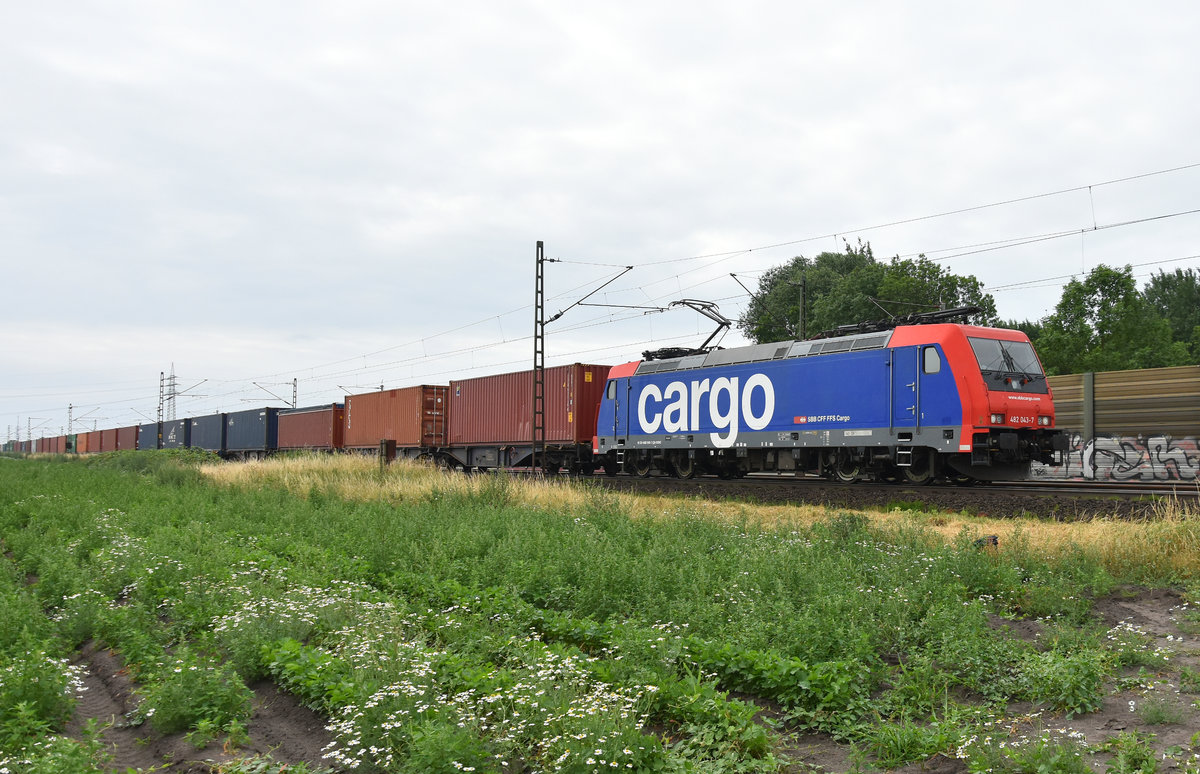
x=147 y=437
x=253 y=430
x=176 y=434
x=208 y=432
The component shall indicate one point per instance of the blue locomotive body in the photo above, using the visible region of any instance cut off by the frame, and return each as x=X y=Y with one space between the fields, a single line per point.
x=877 y=403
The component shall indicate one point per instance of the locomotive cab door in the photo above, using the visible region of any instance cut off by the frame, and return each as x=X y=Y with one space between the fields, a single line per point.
x=618 y=393
x=905 y=377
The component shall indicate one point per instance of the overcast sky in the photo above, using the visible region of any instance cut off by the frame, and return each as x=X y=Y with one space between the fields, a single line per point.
x=349 y=194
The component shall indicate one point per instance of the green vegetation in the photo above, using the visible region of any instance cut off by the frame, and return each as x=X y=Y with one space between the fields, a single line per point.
x=1104 y=323
x=851 y=286
x=465 y=630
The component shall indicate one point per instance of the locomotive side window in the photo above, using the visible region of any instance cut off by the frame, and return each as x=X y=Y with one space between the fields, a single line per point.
x=612 y=390
x=931 y=361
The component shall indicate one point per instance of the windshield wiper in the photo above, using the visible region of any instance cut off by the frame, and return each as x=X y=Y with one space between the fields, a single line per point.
x=1008 y=360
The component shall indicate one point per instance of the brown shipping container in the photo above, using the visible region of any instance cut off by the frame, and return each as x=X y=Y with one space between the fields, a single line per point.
x=319 y=427
x=499 y=409
x=412 y=417
x=93 y=441
x=127 y=437
x=108 y=440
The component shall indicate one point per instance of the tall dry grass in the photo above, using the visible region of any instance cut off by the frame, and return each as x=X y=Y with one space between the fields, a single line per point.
x=358 y=477
x=1165 y=545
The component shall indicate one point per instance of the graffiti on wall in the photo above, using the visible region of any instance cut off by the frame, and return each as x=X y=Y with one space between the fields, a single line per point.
x=1127 y=458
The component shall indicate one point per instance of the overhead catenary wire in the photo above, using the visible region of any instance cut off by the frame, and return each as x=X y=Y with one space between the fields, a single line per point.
x=720 y=257
x=728 y=255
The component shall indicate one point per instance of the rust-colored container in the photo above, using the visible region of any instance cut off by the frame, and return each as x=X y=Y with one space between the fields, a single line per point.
x=58 y=444
x=499 y=409
x=412 y=417
x=108 y=440
x=315 y=427
x=127 y=437
x=92 y=441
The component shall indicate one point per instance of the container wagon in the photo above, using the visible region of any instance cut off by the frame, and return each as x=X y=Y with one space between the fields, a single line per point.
x=491 y=419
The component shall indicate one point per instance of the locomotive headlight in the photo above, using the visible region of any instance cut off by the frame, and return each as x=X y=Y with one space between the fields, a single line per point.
x=1044 y=421
x=997 y=419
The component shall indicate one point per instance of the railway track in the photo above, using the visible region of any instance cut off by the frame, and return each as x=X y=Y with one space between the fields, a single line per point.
x=1184 y=490
x=1058 y=500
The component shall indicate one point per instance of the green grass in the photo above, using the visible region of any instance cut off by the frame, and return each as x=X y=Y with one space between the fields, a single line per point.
x=465 y=628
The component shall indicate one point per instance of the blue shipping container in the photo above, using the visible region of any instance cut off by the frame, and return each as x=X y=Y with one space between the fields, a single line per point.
x=254 y=430
x=148 y=436
x=177 y=434
x=208 y=432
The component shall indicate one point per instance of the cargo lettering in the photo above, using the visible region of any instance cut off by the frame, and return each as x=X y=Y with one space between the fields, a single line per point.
x=684 y=402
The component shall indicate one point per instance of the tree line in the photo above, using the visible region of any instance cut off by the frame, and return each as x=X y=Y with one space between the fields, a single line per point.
x=1102 y=322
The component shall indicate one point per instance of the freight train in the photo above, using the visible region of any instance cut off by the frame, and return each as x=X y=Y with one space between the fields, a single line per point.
x=918 y=402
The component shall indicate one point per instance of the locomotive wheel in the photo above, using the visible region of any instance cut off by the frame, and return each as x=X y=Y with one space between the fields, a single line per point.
x=641 y=467
x=923 y=470
x=685 y=466
x=846 y=469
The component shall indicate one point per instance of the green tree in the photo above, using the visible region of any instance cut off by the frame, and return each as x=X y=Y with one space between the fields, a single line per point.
x=1032 y=329
x=1176 y=296
x=851 y=287
x=1103 y=323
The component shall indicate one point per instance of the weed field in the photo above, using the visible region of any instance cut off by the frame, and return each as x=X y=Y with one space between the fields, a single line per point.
x=439 y=623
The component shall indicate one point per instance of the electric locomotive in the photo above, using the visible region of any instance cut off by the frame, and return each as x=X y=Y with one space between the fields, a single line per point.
x=918 y=401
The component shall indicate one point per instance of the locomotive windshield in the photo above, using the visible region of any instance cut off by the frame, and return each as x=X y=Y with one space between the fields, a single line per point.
x=1009 y=366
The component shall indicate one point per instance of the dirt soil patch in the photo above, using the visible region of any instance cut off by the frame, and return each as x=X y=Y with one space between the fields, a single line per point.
x=280 y=725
